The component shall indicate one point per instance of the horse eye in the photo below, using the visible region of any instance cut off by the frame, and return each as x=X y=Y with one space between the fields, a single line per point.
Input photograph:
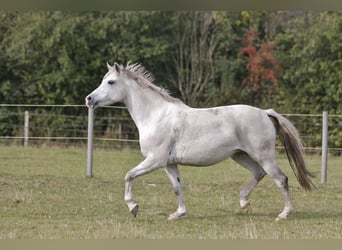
x=111 y=82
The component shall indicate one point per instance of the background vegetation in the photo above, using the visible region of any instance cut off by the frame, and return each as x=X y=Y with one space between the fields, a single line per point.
x=290 y=61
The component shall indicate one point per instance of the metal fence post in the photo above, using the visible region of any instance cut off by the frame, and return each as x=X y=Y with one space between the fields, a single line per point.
x=90 y=142
x=324 y=147
x=26 y=128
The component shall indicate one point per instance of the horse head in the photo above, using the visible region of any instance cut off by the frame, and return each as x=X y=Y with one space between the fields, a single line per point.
x=111 y=90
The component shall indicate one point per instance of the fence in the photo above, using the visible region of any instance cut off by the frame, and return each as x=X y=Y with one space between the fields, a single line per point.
x=67 y=125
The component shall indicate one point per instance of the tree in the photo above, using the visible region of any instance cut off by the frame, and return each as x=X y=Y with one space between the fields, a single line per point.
x=58 y=57
x=53 y=57
x=247 y=68
x=312 y=78
x=262 y=67
x=195 y=44
x=313 y=57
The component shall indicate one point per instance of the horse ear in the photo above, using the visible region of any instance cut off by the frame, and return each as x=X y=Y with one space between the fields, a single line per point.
x=117 y=67
x=109 y=67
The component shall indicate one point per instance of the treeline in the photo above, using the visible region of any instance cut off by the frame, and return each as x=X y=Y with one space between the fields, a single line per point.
x=290 y=61
x=287 y=60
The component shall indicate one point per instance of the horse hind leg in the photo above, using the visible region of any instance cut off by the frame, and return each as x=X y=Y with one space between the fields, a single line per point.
x=281 y=180
x=258 y=173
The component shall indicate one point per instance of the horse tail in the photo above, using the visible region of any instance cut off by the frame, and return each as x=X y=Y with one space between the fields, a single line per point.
x=292 y=143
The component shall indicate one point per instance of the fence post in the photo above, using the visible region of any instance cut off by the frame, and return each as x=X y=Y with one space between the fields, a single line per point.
x=90 y=142
x=324 y=147
x=26 y=128
x=120 y=130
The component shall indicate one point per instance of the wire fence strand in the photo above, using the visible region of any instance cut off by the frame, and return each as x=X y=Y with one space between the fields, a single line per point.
x=66 y=125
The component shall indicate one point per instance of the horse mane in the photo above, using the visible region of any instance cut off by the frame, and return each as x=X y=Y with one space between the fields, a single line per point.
x=145 y=79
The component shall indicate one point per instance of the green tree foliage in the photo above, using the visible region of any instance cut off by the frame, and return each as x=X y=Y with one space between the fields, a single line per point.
x=54 y=57
x=313 y=56
x=57 y=57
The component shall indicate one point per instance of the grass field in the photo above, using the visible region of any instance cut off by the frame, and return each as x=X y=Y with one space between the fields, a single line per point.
x=44 y=194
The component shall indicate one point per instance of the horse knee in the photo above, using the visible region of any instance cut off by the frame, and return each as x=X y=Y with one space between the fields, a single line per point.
x=129 y=177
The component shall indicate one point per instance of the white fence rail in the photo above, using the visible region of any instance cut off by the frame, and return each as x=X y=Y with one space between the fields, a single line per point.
x=112 y=127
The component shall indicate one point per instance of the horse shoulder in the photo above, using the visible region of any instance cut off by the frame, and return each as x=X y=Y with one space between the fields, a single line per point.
x=157 y=134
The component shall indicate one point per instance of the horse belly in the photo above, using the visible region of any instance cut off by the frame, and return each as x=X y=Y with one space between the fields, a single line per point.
x=203 y=151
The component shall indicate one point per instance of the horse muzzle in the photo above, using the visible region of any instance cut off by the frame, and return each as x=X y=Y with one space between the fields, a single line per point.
x=90 y=102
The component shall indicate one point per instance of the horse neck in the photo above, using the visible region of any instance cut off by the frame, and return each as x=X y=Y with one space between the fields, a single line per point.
x=143 y=104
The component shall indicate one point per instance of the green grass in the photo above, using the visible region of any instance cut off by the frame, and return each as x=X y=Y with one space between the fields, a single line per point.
x=44 y=194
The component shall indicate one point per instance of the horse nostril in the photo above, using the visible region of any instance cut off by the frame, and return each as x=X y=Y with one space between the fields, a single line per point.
x=89 y=98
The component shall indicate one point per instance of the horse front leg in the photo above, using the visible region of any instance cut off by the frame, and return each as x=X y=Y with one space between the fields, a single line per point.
x=173 y=174
x=146 y=166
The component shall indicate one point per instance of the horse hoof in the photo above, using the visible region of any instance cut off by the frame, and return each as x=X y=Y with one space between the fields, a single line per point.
x=134 y=211
x=279 y=219
x=245 y=208
x=283 y=215
x=174 y=217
